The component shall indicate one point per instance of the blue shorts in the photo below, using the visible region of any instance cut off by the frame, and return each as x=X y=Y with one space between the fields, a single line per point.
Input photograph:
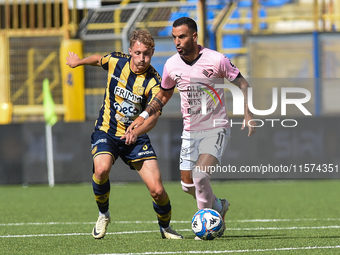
x=103 y=143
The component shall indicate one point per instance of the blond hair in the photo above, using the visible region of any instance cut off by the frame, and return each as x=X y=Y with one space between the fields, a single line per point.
x=144 y=37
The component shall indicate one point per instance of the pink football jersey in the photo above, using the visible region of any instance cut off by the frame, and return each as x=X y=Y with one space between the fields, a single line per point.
x=201 y=103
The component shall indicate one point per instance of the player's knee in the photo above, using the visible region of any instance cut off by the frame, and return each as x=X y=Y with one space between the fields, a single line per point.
x=158 y=194
x=102 y=170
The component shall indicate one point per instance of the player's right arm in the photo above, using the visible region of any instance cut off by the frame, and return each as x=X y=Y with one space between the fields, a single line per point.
x=157 y=103
x=73 y=60
x=161 y=98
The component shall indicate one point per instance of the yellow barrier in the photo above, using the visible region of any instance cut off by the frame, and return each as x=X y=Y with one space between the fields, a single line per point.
x=5 y=106
x=72 y=82
x=5 y=113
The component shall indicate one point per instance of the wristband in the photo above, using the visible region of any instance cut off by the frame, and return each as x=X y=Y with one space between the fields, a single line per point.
x=144 y=114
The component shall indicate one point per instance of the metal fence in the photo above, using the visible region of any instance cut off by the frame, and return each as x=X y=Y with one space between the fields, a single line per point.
x=301 y=60
x=32 y=59
x=31 y=32
x=109 y=28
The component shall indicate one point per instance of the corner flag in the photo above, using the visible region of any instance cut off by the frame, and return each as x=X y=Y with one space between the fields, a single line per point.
x=49 y=108
x=50 y=118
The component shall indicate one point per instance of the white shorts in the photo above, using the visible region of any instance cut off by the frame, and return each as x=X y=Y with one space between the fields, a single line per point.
x=195 y=143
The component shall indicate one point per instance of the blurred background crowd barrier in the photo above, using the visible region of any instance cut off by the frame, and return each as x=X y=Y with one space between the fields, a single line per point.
x=275 y=43
x=272 y=153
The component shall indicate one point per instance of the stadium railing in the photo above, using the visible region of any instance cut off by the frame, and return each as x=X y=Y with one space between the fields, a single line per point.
x=31 y=34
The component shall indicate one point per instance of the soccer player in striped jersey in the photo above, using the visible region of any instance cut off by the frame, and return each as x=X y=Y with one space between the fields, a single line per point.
x=132 y=83
x=195 y=70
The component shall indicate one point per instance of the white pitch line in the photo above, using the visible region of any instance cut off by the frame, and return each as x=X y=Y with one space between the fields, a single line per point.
x=173 y=221
x=229 y=251
x=183 y=230
x=45 y=223
x=286 y=220
x=47 y=235
x=80 y=234
x=285 y=228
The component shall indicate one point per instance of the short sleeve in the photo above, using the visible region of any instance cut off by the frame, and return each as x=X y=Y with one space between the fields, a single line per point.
x=228 y=69
x=167 y=81
x=105 y=61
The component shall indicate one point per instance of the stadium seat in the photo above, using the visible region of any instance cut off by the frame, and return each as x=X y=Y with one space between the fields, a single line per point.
x=235 y=15
x=262 y=13
x=267 y=3
x=210 y=15
x=245 y=3
x=212 y=39
x=165 y=31
x=217 y=5
x=175 y=15
x=274 y=3
x=232 y=41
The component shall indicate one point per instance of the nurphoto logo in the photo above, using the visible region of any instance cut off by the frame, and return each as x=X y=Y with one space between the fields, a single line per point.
x=238 y=103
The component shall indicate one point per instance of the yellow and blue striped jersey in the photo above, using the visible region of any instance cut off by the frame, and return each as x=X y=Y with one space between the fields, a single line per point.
x=126 y=95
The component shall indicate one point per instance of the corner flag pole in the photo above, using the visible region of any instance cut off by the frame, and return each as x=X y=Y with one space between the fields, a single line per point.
x=49 y=152
x=50 y=118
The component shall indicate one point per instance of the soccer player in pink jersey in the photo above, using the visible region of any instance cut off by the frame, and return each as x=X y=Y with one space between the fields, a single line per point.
x=195 y=70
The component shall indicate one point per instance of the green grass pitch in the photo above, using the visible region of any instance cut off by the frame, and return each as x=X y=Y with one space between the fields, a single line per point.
x=265 y=217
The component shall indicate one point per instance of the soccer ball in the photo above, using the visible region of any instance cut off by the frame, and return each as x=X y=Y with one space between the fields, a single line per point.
x=207 y=224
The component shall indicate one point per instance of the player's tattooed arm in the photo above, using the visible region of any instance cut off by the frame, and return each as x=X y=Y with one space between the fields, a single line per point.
x=155 y=105
x=161 y=98
x=159 y=101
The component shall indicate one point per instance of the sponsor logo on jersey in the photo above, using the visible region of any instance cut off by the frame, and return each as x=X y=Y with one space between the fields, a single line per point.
x=197 y=96
x=128 y=109
x=99 y=141
x=127 y=94
x=121 y=54
x=125 y=120
x=118 y=79
x=213 y=90
x=145 y=153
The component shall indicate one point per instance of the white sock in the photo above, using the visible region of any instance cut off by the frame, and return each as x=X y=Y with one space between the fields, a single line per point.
x=107 y=214
x=204 y=194
x=189 y=188
x=217 y=205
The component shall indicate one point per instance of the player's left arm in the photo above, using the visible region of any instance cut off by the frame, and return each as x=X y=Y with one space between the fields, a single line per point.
x=242 y=83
